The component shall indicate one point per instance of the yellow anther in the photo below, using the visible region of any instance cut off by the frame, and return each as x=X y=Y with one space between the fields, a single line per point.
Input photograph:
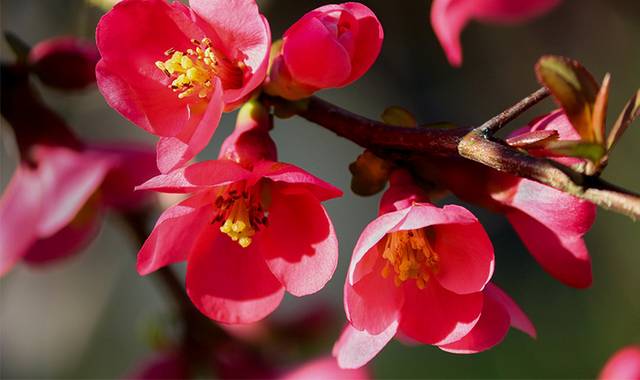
x=244 y=242
x=410 y=256
x=237 y=225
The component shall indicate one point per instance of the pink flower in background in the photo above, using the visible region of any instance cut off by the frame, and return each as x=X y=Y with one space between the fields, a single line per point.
x=423 y=272
x=172 y=70
x=329 y=47
x=449 y=18
x=66 y=63
x=623 y=365
x=325 y=368
x=53 y=204
x=250 y=229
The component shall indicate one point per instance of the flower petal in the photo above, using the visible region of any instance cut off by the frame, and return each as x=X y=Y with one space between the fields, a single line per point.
x=437 y=316
x=231 y=284
x=197 y=177
x=623 y=365
x=174 y=152
x=20 y=207
x=489 y=331
x=68 y=179
x=466 y=256
x=552 y=224
x=175 y=234
x=291 y=174
x=519 y=319
x=299 y=243
x=69 y=240
x=313 y=54
x=356 y=348
x=373 y=303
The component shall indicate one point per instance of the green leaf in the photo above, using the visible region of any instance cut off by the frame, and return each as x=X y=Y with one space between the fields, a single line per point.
x=398 y=116
x=581 y=149
x=574 y=89
x=630 y=112
x=599 y=120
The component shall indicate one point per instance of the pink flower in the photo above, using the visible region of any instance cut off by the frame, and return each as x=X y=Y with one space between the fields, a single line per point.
x=53 y=204
x=251 y=228
x=423 y=272
x=325 y=368
x=66 y=63
x=449 y=17
x=329 y=47
x=172 y=70
x=623 y=365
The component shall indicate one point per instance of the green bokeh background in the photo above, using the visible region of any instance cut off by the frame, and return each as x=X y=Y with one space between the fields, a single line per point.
x=86 y=318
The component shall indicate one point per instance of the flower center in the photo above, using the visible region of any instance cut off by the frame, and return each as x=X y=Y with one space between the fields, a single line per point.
x=242 y=213
x=409 y=256
x=192 y=72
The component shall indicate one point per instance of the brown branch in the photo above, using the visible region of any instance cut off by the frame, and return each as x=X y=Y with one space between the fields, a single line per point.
x=472 y=143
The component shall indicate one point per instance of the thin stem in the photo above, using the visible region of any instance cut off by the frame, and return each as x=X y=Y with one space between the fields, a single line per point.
x=395 y=142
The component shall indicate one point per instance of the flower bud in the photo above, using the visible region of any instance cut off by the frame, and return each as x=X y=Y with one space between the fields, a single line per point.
x=65 y=63
x=328 y=47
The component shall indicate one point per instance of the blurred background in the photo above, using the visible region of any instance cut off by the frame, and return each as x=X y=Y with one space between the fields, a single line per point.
x=91 y=316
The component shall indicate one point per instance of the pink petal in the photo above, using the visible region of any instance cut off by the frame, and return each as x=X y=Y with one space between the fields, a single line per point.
x=287 y=173
x=231 y=284
x=624 y=365
x=449 y=18
x=313 y=55
x=325 y=368
x=368 y=40
x=68 y=179
x=174 y=152
x=466 y=256
x=519 y=319
x=20 y=208
x=552 y=224
x=373 y=303
x=356 y=348
x=437 y=316
x=299 y=243
x=131 y=38
x=372 y=234
x=196 y=177
x=488 y=332
x=69 y=240
x=244 y=32
x=175 y=234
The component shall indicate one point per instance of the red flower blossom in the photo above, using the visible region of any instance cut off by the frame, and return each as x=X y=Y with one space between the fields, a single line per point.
x=251 y=228
x=422 y=272
x=449 y=17
x=623 y=365
x=329 y=47
x=52 y=207
x=172 y=70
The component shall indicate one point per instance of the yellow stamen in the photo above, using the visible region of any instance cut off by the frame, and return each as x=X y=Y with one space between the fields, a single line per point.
x=193 y=71
x=410 y=256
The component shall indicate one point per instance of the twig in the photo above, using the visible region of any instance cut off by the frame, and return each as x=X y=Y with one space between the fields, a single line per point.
x=472 y=143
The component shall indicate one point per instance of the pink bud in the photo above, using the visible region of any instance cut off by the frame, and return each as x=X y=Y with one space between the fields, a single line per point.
x=66 y=63
x=624 y=365
x=329 y=47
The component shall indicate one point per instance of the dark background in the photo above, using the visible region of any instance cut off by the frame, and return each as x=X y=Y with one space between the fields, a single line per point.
x=90 y=317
